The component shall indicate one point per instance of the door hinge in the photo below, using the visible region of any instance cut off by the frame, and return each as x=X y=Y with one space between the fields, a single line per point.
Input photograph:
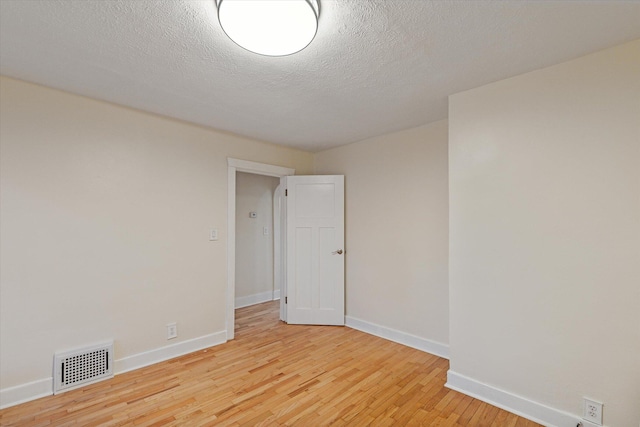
x=286 y=193
x=286 y=300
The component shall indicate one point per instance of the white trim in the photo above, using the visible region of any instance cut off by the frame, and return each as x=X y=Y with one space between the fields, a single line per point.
x=237 y=165
x=231 y=251
x=254 y=299
x=281 y=266
x=161 y=354
x=508 y=401
x=27 y=392
x=423 y=344
x=278 y=245
x=259 y=168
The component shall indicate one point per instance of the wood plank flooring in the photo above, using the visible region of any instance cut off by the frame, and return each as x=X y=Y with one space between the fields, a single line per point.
x=274 y=374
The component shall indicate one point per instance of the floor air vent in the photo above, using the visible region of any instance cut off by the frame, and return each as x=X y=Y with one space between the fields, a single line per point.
x=83 y=366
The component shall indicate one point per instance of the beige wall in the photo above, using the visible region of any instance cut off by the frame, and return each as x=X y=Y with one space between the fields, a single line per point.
x=254 y=249
x=545 y=234
x=105 y=216
x=396 y=229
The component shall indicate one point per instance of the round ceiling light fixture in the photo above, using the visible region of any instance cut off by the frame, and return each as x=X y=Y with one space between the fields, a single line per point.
x=270 y=27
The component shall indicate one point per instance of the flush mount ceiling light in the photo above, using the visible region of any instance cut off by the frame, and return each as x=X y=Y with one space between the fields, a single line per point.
x=269 y=27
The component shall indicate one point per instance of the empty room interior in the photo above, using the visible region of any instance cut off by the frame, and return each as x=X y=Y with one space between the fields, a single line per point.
x=483 y=266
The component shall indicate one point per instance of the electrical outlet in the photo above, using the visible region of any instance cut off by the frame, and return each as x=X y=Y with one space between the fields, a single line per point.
x=172 y=331
x=592 y=411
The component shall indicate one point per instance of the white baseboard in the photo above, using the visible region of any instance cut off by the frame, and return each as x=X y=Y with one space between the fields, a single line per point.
x=400 y=337
x=256 y=299
x=518 y=405
x=22 y=393
x=276 y=294
x=161 y=354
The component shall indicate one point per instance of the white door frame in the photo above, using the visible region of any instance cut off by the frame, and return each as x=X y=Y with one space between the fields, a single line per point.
x=237 y=165
x=279 y=255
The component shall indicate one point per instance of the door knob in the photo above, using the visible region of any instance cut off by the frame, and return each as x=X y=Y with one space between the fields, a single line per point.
x=339 y=252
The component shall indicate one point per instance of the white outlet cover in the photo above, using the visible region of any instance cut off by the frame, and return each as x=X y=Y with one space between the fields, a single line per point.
x=592 y=411
x=172 y=330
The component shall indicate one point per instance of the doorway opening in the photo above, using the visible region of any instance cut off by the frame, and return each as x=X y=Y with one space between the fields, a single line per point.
x=255 y=227
x=234 y=166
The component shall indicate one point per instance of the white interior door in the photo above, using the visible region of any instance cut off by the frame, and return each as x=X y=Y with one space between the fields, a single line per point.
x=315 y=249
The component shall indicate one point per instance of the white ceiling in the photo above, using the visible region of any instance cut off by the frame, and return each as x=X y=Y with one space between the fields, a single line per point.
x=375 y=66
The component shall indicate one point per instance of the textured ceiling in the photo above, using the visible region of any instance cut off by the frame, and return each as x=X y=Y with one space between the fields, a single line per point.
x=375 y=66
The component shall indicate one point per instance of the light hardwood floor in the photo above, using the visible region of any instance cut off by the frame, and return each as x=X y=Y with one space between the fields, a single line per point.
x=274 y=374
